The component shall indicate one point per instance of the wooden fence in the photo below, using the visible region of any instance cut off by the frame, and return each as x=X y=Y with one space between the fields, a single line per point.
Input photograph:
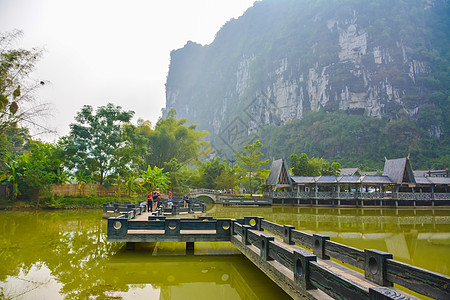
x=87 y=190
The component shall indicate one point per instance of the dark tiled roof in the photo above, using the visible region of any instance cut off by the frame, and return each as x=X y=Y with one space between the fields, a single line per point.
x=349 y=171
x=326 y=179
x=349 y=179
x=275 y=170
x=376 y=180
x=371 y=173
x=422 y=180
x=302 y=179
x=395 y=169
x=439 y=180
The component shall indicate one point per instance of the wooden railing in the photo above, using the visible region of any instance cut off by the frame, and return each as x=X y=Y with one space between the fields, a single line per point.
x=358 y=195
x=278 y=251
x=112 y=208
x=378 y=267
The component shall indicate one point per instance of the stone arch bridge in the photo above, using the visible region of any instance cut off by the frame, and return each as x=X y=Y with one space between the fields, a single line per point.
x=215 y=195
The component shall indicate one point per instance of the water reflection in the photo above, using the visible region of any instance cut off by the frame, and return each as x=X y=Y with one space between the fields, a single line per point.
x=56 y=255
x=64 y=254
x=416 y=236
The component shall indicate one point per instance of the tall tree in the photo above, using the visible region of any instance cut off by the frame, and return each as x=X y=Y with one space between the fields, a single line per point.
x=211 y=170
x=99 y=143
x=250 y=159
x=18 y=104
x=171 y=138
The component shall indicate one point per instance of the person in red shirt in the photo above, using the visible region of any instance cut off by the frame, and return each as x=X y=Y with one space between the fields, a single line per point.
x=150 y=202
x=169 y=201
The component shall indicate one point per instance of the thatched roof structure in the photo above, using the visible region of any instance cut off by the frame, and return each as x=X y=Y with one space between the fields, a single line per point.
x=399 y=170
x=279 y=176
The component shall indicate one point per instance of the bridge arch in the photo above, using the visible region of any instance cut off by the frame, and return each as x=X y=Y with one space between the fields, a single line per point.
x=212 y=197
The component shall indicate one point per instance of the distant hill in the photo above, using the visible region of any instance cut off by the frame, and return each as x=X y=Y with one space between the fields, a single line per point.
x=343 y=79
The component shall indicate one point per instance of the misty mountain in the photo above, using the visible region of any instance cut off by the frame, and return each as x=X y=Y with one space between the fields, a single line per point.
x=343 y=79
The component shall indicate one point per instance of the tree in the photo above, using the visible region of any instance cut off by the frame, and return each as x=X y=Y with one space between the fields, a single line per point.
x=171 y=138
x=100 y=143
x=304 y=166
x=18 y=104
x=250 y=159
x=227 y=180
x=31 y=173
x=299 y=164
x=179 y=175
x=211 y=170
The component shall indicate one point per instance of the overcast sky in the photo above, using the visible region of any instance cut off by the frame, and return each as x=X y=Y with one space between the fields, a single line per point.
x=100 y=51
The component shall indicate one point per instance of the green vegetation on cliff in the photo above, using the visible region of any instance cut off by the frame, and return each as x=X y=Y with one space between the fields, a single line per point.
x=356 y=140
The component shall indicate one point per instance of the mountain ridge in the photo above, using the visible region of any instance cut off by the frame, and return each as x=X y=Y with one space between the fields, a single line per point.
x=282 y=59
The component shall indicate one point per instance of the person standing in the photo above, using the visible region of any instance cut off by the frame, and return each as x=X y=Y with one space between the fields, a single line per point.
x=149 y=202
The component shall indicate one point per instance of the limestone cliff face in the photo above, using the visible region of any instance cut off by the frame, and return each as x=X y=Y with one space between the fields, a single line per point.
x=306 y=62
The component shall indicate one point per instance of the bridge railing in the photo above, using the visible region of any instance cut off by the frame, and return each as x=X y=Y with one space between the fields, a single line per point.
x=378 y=267
x=159 y=227
x=358 y=195
x=112 y=208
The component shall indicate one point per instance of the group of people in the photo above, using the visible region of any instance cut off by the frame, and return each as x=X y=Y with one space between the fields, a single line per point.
x=154 y=200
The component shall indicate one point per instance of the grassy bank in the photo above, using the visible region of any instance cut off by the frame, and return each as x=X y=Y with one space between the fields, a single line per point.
x=65 y=202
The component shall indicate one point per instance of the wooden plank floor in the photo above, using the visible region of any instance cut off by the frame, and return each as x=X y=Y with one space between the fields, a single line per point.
x=142 y=217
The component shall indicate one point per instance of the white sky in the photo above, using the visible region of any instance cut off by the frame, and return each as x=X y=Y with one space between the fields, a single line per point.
x=100 y=51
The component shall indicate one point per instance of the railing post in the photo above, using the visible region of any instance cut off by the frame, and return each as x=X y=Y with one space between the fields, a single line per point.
x=172 y=226
x=258 y=223
x=117 y=226
x=319 y=245
x=223 y=227
x=232 y=222
x=174 y=209
x=253 y=222
x=301 y=268
x=375 y=266
x=245 y=229
x=287 y=234
x=265 y=240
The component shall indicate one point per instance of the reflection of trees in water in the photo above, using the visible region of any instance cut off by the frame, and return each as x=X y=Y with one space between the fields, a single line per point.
x=72 y=245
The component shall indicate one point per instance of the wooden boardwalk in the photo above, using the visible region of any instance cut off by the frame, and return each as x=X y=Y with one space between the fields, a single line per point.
x=298 y=262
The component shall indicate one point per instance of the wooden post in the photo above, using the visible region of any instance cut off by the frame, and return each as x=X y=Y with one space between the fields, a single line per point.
x=245 y=229
x=190 y=247
x=265 y=241
x=131 y=246
x=319 y=245
x=375 y=266
x=287 y=234
x=172 y=226
x=301 y=268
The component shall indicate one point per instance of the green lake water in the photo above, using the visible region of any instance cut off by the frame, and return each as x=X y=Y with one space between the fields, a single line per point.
x=65 y=255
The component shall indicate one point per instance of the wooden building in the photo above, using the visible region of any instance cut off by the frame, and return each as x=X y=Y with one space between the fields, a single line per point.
x=279 y=177
x=398 y=176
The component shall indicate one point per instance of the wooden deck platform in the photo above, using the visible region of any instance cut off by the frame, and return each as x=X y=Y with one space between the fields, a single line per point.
x=281 y=252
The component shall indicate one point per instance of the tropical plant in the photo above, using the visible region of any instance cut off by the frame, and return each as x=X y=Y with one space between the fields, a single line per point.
x=12 y=176
x=154 y=178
